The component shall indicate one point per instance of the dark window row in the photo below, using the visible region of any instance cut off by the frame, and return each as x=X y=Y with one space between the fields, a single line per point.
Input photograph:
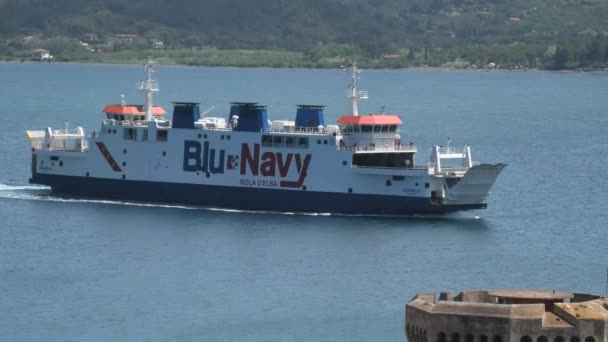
x=284 y=141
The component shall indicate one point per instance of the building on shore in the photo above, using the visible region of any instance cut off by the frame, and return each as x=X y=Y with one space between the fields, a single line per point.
x=507 y=316
x=41 y=55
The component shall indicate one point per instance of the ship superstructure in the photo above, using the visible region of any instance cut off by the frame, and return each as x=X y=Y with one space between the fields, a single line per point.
x=360 y=165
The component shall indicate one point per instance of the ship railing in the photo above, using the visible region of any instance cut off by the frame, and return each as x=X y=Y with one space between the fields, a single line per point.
x=66 y=132
x=451 y=150
x=305 y=130
x=112 y=122
x=383 y=148
x=68 y=145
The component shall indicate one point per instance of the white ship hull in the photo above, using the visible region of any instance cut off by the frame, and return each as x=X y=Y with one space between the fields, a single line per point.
x=359 y=167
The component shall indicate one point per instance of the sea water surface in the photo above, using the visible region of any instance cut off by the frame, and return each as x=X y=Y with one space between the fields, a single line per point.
x=94 y=270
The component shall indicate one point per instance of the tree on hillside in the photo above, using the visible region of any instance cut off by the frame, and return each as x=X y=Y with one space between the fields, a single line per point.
x=560 y=60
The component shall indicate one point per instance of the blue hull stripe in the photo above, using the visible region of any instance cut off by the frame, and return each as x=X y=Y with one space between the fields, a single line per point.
x=244 y=197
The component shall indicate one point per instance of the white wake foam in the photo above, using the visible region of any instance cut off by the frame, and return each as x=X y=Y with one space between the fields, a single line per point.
x=42 y=193
x=7 y=187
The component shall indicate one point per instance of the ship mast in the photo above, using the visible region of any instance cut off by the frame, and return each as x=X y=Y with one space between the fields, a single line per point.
x=149 y=87
x=352 y=94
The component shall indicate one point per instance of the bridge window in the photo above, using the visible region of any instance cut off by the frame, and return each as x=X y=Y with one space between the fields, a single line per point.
x=266 y=140
x=377 y=128
x=366 y=128
x=290 y=141
x=392 y=128
x=277 y=140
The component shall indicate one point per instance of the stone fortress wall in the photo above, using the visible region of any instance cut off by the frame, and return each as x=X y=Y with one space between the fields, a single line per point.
x=507 y=316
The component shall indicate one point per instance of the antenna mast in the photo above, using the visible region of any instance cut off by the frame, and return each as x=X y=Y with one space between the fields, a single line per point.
x=352 y=94
x=149 y=87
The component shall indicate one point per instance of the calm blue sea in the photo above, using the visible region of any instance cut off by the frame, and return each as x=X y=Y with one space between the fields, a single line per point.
x=79 y=270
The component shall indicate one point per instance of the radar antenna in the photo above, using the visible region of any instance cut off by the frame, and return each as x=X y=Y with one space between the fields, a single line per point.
x=352 y=94
x=149 y=87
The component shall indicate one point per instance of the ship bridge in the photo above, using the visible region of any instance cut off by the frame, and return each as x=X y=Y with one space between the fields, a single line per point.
x=130 y=114
x=375 y=141
x=372 y=133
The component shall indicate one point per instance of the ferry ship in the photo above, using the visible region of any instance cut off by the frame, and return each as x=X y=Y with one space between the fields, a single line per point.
x=359 y=165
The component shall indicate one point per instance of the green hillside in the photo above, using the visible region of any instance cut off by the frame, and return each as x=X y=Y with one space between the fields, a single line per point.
x=527 y=33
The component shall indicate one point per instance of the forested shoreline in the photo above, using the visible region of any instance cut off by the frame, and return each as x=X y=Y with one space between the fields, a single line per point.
x=462 y=34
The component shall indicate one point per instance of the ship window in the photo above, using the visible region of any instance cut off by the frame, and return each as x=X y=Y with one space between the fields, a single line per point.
x=109 y=131
x=204 y=136
x=88 y=174
x=124 y=177
x=124 y=163
x=124 y=151
x=290 y=141
x=164 y=153
x=161 y=135
x=303 y=142
x=61 y=163
x=277 y=140
x=384 y=128
x=319 y=142
x=122 y=117
x=266 y=140
x=130 y=133
x=222 y=137
x=377 y=128
x=366 y=128
x=392 y=159
x=388 y=182
x=426 y=185
x=200 y=135
x=145 y=135
x=350 y=190
x=227 y=137
x=325 y=142
x=392 y=128
x=344 y=162
x=399 y=178
x=54 y=158
x=304 y=187
x=114 y=131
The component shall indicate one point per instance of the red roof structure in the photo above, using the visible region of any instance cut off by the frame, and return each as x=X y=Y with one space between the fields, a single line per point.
x=133 y=110
x=371 y=119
